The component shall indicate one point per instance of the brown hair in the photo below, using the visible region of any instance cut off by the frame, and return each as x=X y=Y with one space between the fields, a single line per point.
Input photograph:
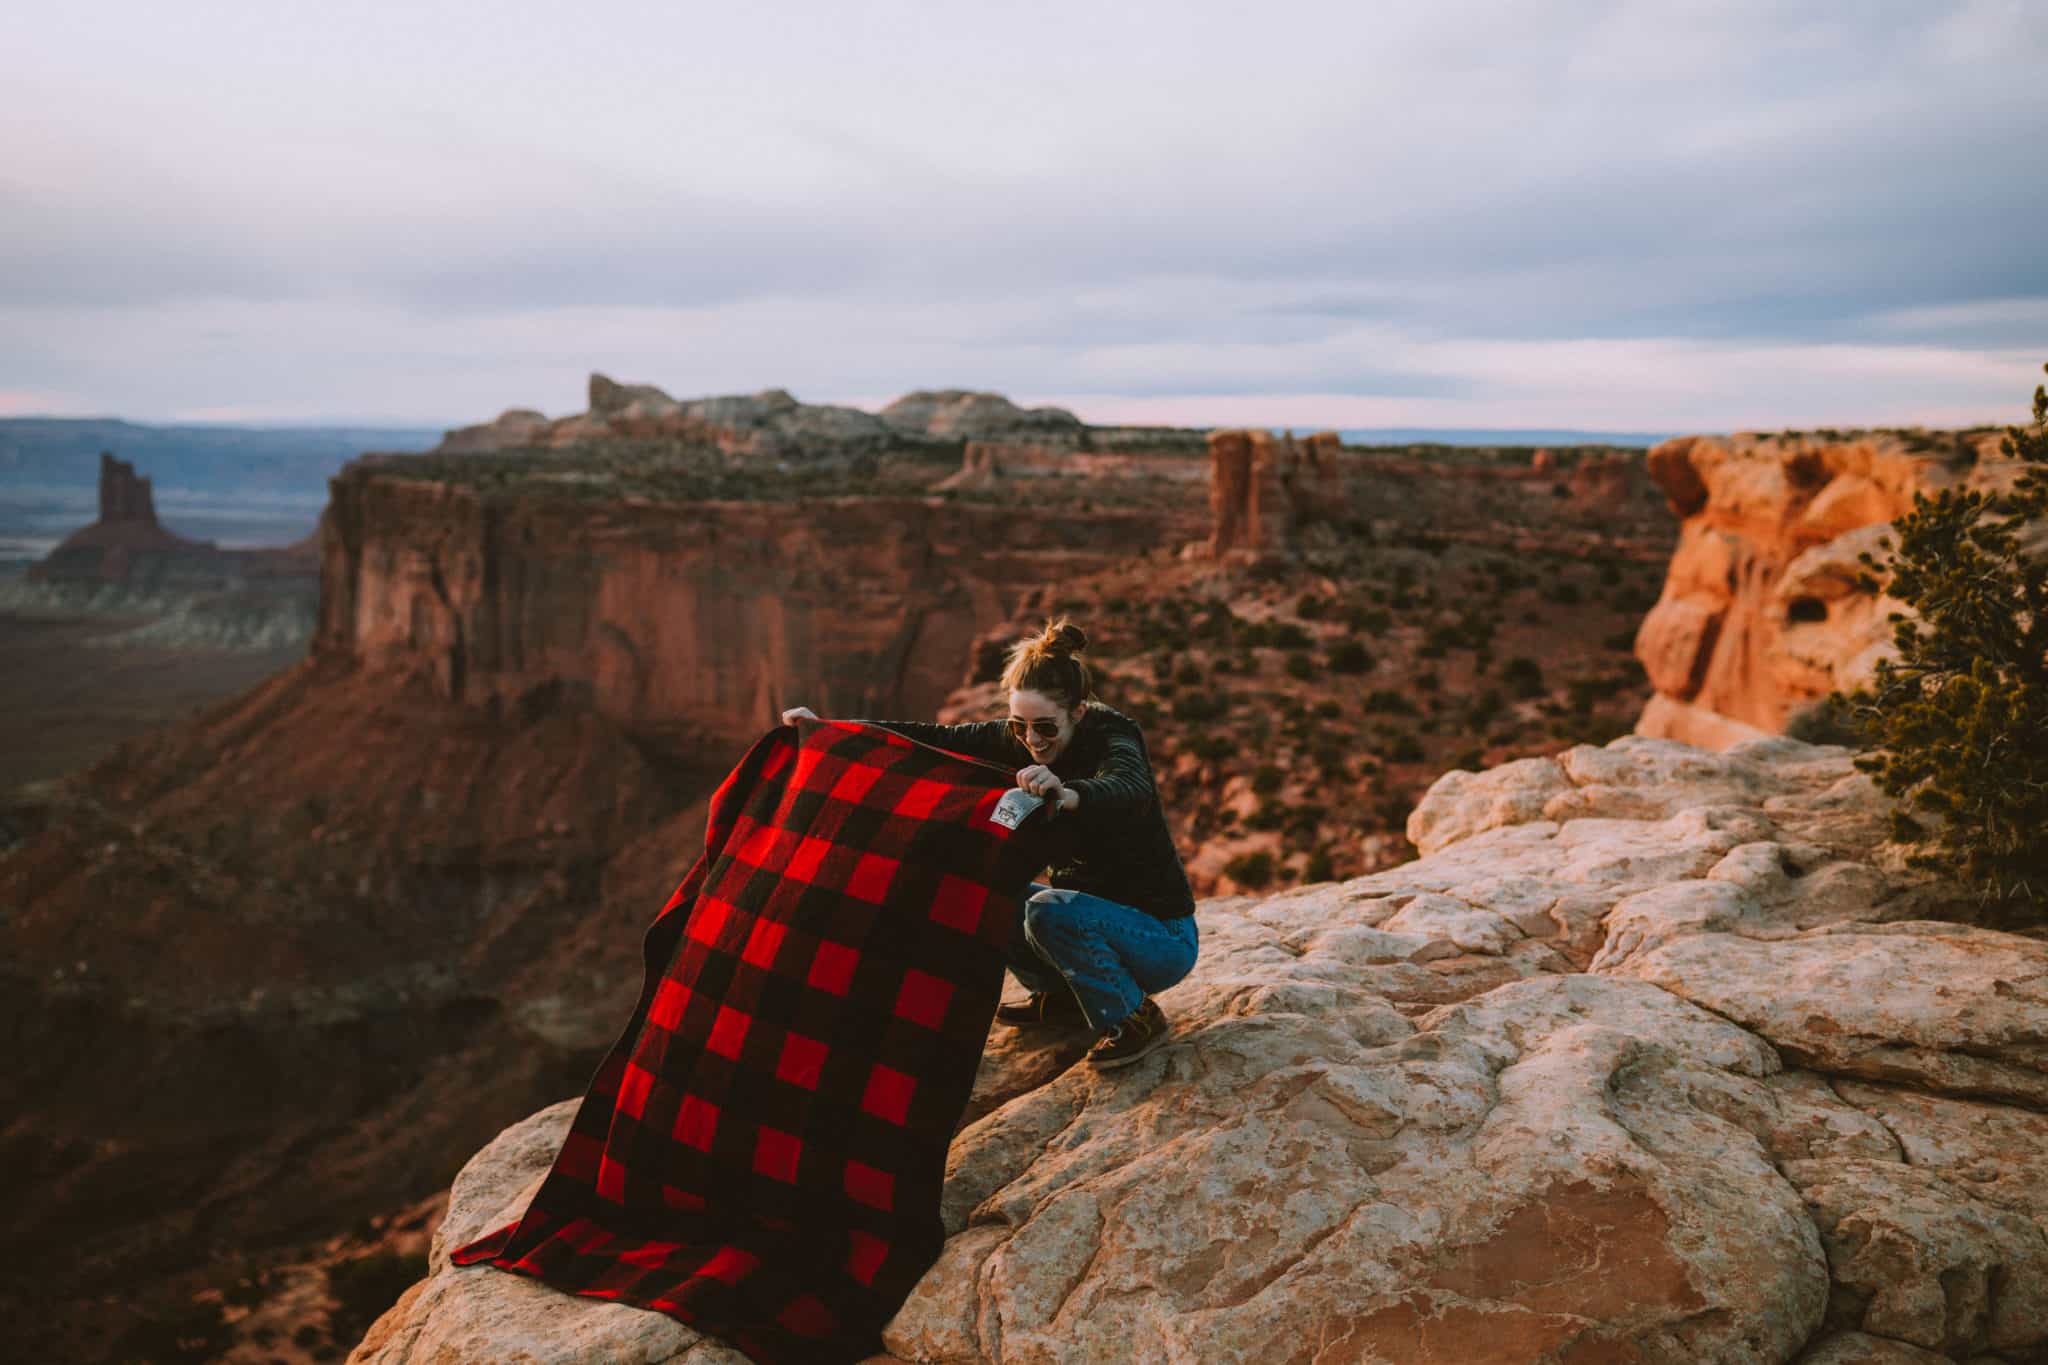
x=1049 y=662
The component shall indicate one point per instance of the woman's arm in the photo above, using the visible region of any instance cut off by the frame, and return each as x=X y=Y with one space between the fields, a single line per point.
x=1122 y=785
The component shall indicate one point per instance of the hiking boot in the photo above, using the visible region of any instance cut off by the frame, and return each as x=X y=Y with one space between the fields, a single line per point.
x=1145 y=1029
x=1053 y=1009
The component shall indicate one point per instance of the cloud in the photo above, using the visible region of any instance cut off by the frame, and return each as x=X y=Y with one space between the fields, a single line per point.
x=394 y=208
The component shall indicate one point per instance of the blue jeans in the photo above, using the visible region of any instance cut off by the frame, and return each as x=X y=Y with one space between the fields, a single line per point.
x=1110 y=955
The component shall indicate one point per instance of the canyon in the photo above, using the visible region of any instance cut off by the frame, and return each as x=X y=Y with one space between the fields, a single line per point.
x=339 y=930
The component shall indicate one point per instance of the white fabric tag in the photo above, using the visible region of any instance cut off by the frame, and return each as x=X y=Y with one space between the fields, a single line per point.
x=1015 y=805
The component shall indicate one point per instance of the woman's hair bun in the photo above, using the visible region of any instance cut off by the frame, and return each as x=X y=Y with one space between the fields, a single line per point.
x=1062 y=638
x=1045 y=663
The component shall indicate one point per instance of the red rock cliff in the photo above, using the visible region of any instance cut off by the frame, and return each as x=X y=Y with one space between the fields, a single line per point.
x=701 y=618
x=1761 y=613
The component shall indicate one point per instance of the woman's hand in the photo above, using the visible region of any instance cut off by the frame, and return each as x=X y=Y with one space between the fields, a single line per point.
x=797 y=713
x=1040 y=780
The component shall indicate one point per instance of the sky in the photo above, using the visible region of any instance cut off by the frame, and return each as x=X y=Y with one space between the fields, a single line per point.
x=1609 y=216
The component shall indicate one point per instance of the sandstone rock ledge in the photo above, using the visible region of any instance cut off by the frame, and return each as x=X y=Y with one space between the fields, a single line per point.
x=1645 y=1060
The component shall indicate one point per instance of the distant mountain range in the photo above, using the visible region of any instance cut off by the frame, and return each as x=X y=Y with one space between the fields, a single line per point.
x=237 y=485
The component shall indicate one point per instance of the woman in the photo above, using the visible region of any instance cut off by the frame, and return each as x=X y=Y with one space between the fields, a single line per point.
x=1117 y=922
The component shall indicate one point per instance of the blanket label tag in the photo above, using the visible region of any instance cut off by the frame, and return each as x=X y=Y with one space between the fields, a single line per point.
x=1015 y=805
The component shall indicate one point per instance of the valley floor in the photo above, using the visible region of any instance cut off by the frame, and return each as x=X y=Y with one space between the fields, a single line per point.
x=67 y=702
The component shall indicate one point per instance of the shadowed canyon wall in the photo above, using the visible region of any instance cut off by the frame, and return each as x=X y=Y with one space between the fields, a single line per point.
x=695 y=619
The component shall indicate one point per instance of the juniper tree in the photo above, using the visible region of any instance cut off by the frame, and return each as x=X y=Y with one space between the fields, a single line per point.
x=1959 y=721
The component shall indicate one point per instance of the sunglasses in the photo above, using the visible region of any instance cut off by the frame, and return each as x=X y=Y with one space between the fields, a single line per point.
x=1042 y=727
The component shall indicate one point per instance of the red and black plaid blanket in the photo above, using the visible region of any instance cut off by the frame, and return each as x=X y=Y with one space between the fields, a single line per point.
x=761 y=1153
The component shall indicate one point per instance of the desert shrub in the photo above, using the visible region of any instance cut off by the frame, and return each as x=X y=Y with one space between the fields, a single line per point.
x=1349 y=656
x=1482 y=709
x=1318 y=868
x=1188 y=675
x=1523 y=676
x=364 y=1287
x=1252 y=870
x=1197 y=707
x=1212 y=748
x=1472 y=760
x=1307 y=815
x=198 y=1333
x=1300 y=665
x=1382 y=699
x=1440 y=639
x=1270 y=815
x=1267 y=779
x=1582 y=693
x=1623 y=640
x=1267 y=570
x=1369 y=620
x=248 y=1291
x=1562 y=591
x=1404 y=749
x=1215 y=624
x=1959 y=722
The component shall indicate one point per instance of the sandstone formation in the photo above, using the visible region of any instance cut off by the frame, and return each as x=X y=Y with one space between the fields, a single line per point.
x=1534 y=1097
x=1761 y=612
x=987 y=463
x=770 y=425
x=514 y=429
x=1262 y=488
x=128 y=560
x=126 y=544
x=123 y=496
x=962 y=414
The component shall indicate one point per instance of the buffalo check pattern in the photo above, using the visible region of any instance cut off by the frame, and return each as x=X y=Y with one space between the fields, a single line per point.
x=761 y=1153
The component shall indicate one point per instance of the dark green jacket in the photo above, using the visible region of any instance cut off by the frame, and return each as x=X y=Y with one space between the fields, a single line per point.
x=1116 y=843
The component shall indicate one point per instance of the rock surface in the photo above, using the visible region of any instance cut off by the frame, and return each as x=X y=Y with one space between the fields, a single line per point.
x=770 y=425
x=962 y=414
x=1510 y=1102
x=1761 y=612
